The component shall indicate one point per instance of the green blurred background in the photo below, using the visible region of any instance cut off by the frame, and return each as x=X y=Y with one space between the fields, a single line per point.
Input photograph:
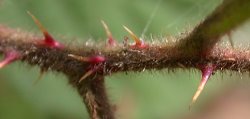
x=145 y=95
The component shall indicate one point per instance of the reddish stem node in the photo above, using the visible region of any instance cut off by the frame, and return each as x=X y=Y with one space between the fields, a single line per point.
x=111 y=40
x=93 y=60
x=139 y=43
x=93 y=69
x=48 y=40
x=206 y=72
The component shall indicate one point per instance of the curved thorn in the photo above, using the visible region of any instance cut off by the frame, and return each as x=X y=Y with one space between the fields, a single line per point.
x=94 y=59
x=38 y=23
x=111 y=40
x=229 y=34
x=207 y=71
x=42 y=72
x=48 y=39
x=9 y=57
x=80 y=58
x=87 y=74
x=134 y=37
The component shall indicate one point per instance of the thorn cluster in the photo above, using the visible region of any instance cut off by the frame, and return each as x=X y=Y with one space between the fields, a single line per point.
x=138 y=43
x=94 y=61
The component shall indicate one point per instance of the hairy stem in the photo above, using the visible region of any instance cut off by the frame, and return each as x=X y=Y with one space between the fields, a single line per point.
x=94 y=96
x=198 y=47
x=227 y=16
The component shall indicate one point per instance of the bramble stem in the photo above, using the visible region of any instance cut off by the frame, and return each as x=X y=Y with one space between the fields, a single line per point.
x=198 y=47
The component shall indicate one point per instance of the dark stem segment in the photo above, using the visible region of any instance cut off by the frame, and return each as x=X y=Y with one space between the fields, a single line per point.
x=94 y=96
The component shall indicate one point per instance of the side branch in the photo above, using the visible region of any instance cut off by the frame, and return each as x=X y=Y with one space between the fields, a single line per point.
x=226 y=17
x=94 y=96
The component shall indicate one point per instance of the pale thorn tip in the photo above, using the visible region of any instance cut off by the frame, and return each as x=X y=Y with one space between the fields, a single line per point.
x=48 y=40
x=39 y=77
x=229 y=34
x=134 y=37
x=111 y=40
x=206 y=73
x=106 y=28
x=38 y=23
x=94 y=59
x=88 y=73
x=81 y=58
x=3 y=63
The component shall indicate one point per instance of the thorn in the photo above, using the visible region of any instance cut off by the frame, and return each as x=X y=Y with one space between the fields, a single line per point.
x=42 y=72
x=125 y=41
x=229 y=34
x=9 y=57
x=94 y=59
x=88 y=73
x=138 y=42
x=206 y=71
x=48 y=39
x=111 y=40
